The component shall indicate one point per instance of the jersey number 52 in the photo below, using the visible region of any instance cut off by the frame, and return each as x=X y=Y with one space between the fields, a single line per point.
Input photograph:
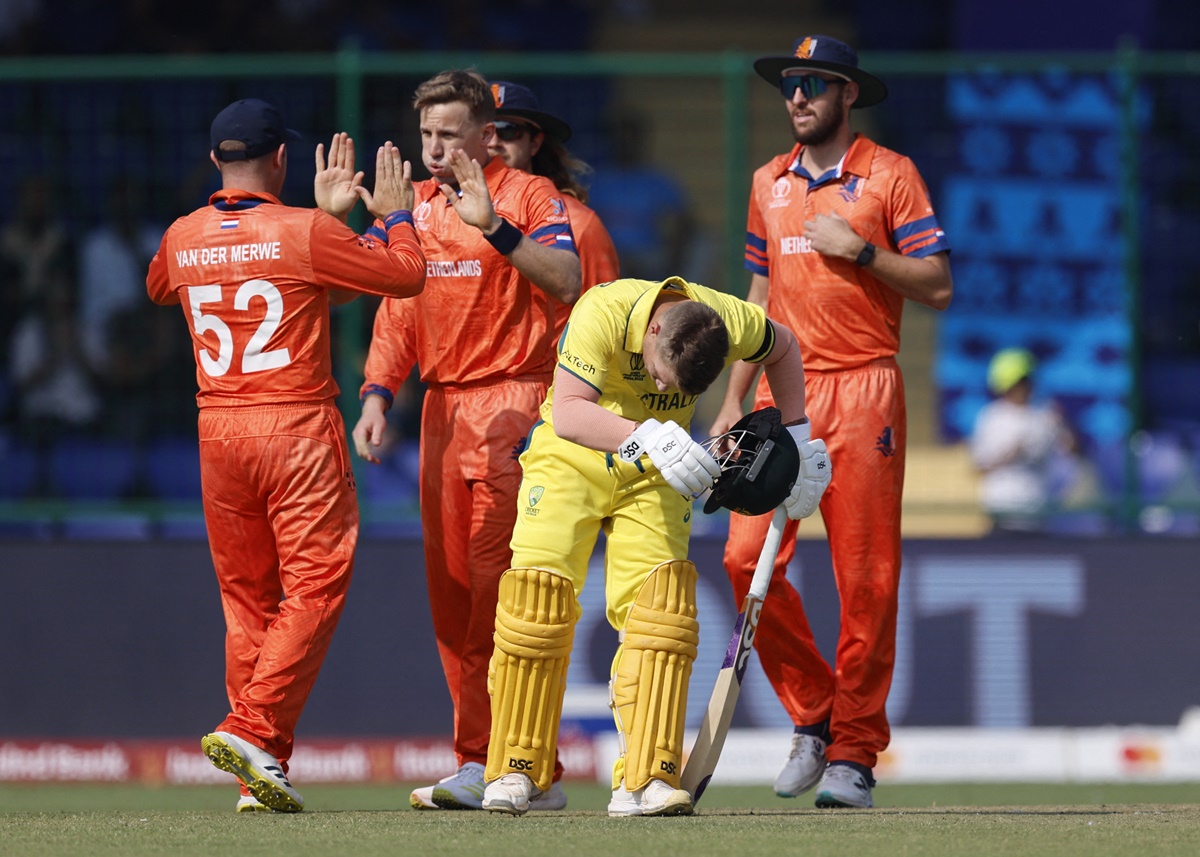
x=254 y=359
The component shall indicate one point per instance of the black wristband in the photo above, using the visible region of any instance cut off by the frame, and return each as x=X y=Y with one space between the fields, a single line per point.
x=506 y=238
x=865 y=256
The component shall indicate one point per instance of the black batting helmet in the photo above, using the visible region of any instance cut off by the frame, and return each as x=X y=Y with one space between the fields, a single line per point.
x=759 y=467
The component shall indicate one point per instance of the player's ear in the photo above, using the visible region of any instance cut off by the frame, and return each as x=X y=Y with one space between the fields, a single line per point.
x=849 y=93
x=279 y=159
x=212 y=156
x=536 y=139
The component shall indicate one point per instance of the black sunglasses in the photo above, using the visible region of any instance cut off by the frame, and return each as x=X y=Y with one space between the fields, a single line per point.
x=810 y=85
x=509 y=131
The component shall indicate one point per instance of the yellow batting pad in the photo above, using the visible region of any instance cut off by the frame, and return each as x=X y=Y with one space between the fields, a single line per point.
x=535 y=628
x=649 y=690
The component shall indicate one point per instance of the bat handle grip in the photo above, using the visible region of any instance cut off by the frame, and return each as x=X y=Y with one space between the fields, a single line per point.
x=766 y=557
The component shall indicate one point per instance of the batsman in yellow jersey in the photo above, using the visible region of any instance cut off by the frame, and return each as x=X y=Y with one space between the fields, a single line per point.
x=612 y=452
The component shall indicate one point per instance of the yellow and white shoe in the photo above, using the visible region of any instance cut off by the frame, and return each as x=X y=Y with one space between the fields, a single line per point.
x=255 y=768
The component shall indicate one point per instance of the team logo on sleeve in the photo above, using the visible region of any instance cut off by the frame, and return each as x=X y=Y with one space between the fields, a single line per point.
x=559 y=206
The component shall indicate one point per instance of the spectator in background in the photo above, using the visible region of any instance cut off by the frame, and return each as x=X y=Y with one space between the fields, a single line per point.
x=531 y=140
x=647 y=211
x=1015 y=444
x=54 y=393
x=36 y=257
x=47 y=391
x=128 y=342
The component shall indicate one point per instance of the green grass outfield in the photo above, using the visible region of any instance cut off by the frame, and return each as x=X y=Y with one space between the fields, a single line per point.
x=977 y=820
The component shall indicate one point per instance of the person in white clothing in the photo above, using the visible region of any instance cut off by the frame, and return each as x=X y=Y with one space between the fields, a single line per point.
x=1015 y=443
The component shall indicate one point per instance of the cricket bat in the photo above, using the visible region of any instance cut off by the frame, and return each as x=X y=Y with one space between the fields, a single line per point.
x=702 y=760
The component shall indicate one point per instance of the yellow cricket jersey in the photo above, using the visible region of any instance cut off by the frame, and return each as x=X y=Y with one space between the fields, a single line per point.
x=602 y=345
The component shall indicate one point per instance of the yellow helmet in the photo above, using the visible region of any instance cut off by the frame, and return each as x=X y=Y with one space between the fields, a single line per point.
x=1009 y=367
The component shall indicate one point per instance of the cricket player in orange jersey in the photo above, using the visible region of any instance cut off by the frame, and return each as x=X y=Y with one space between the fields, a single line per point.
x=254 y=278
x=840 y=232
x=530 y=139
x=501 y=265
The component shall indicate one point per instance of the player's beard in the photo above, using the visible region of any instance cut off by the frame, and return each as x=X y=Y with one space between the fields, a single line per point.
x=820 y=132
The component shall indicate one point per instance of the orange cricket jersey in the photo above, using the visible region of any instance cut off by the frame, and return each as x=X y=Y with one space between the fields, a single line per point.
x=597 y=254
x=842 y=315
x=253 y=276
x=479 y=318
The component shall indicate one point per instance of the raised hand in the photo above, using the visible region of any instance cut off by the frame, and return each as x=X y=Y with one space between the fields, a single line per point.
x=335 y=182
x=472 y=201
x=393 y=183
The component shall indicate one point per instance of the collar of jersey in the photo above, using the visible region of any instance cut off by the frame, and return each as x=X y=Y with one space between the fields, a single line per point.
x=856 y=161
x=639 y=313
x=239 y=200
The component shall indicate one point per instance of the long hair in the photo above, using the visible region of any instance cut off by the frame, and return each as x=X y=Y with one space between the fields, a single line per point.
x=557 y=164
x=465 y=85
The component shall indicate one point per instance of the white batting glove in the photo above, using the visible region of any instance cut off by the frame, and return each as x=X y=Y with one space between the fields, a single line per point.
x=813 y=477
x=685 y=464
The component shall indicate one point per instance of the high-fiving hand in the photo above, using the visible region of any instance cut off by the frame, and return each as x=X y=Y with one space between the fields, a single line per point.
x=393 y=183
x=471 y=200
x=334 y=184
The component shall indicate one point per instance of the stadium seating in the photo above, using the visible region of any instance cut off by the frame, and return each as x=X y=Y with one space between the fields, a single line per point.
x=93 y=469
x=172 y=468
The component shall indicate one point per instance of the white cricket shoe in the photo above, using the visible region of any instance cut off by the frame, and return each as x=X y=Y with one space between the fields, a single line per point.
x=512 y=793
x=843 y=786
x=258 y=770
x=551 y=800
x=461 y=790
x=804 y=766
x=655 y=798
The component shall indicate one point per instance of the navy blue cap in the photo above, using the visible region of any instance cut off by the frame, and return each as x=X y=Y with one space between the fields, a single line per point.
x=253 y=122
x=825 y=53
x=513 y=99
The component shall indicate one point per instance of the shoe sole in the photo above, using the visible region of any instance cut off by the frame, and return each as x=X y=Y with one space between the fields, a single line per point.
x=230 y=760
x=827 y=801
x=505 y=807
x=252 y=808
x=666 y=811
x=804 y=787
x=445 y=799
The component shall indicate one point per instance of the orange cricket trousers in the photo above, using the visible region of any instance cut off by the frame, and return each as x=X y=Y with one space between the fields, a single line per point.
x=282 y=517
x=471 y=437
x=860 y=414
